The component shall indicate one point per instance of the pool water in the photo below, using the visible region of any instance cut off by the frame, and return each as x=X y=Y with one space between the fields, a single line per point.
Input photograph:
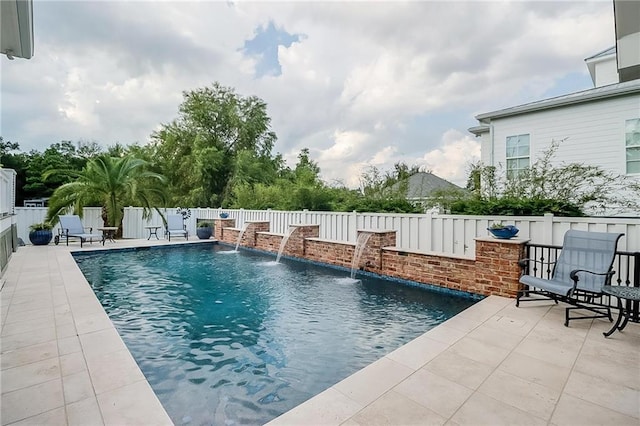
x=234 y=338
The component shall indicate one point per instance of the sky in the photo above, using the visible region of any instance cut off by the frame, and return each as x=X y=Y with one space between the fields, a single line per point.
x=360 y=84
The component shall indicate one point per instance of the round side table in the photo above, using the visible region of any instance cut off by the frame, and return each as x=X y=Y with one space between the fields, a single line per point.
x=622 y=293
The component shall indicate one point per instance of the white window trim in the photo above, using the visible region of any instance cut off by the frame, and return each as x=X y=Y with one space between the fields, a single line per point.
x=624 y=144
x=528 y=157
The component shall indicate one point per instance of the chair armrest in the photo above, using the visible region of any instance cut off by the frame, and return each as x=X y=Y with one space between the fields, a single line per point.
x=574 y=274
x=524 y=262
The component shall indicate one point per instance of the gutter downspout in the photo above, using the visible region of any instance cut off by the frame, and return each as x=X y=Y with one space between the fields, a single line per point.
x=492 y=144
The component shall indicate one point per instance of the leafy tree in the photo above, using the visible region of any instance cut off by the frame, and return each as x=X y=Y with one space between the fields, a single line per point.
x=111 y=183
x=213 y=144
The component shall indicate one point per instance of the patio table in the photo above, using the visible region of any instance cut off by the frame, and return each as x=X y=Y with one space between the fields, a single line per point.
x=630 y=294
x=153 y=230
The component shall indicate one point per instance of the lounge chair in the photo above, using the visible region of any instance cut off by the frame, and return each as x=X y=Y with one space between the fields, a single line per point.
x=71 y=226
x=175 y=226
x=582 y=269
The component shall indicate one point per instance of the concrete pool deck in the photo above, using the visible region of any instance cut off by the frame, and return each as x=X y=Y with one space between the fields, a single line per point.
x=64 y=363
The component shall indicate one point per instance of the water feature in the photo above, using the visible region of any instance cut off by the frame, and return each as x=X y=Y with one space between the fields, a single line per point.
x=244 y=228
x=361 y=243
x=283 y=243
x=224 y=340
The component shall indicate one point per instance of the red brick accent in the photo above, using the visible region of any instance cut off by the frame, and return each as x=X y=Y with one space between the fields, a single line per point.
x=371 y=259
x=267 y=241
x=251 y=228
x=332 y=252
x=219 y=225
x=495 y=269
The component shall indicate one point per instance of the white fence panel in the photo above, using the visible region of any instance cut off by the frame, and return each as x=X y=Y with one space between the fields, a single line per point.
x=27 y=216
x=446 y=234
x=7 y=191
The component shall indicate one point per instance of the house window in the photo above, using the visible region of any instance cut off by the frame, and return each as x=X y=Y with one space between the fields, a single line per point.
x=517 y=154
x=632 y=143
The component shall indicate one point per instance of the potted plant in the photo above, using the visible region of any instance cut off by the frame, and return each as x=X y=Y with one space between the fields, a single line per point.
x=40 y=233
x=501 y=231
x=204 y=230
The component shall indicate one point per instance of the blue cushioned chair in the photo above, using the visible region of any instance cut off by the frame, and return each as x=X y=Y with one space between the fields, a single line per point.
x=71 y=226
x=583 y=267
x=175 y=226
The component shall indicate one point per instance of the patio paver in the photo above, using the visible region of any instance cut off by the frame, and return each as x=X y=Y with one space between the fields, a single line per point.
x=64 y=363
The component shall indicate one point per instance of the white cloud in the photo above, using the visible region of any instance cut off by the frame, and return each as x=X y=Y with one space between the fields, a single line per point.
x=368 y=83
x=450 y=161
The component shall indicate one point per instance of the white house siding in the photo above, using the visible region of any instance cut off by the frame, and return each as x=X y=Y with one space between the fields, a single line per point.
x=594 y=133
x=606 y=72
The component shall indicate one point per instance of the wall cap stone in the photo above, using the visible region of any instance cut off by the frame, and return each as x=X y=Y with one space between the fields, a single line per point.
x=430 y=253
x=376 y=231
x=323 y=240
x=505 y=241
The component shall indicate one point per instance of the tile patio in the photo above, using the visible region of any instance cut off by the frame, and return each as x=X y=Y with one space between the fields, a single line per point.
x=62 y=362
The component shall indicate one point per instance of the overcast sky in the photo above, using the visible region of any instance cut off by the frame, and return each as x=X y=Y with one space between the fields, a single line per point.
x=358 y=83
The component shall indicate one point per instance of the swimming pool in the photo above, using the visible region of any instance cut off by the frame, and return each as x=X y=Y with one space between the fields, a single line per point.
x=237 y=339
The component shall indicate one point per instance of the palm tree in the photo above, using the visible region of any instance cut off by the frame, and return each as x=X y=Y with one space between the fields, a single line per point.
x=112 y=183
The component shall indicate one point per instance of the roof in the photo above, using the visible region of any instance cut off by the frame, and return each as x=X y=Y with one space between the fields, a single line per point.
x=478 y=130
x=606 y=52
x=591 y=95
x=16 y=28
x=422 y=185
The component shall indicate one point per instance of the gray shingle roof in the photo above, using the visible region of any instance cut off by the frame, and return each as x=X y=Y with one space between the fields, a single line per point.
x=421 y=185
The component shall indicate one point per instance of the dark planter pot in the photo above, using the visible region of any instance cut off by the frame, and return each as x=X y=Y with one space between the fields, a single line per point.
x=224 y=215
x=41 y=237
x=204 y=233
x=505 y=233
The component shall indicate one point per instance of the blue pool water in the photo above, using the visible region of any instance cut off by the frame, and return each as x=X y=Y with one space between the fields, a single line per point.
x=237 y=339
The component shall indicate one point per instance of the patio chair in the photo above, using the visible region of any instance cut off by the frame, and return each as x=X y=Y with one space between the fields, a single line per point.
x=71 y=226
x=578 y=275
x=176 y=226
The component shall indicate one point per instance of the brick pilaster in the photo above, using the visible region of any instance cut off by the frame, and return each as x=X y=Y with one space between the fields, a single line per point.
x=496 y=268
x=251 y=228
x=371 y=259
x=219 y=225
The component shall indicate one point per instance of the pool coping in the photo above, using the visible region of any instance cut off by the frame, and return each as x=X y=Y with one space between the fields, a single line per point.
x=63 y=361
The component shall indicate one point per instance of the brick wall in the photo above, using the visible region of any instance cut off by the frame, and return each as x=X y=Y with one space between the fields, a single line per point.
x=494 y=271
x=496 y=266
x=456 y=274
x=332 y=252
x=219 y=226
x=268 y=242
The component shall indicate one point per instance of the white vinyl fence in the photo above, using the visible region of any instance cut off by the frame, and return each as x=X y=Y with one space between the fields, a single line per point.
x=431 y=233
x=7 y=191
x=27 y=216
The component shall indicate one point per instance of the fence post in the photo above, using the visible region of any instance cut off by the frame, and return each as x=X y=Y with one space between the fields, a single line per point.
x=353 y=226
x=548 y=229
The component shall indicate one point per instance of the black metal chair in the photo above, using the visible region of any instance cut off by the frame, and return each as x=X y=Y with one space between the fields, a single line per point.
x=71 y=226
x=582 y=269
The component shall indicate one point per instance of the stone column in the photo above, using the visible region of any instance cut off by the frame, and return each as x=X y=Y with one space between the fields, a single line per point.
x=496 y=267
x=251 y=228
x=296 y=245
x=219 y=225
x=371 y=259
